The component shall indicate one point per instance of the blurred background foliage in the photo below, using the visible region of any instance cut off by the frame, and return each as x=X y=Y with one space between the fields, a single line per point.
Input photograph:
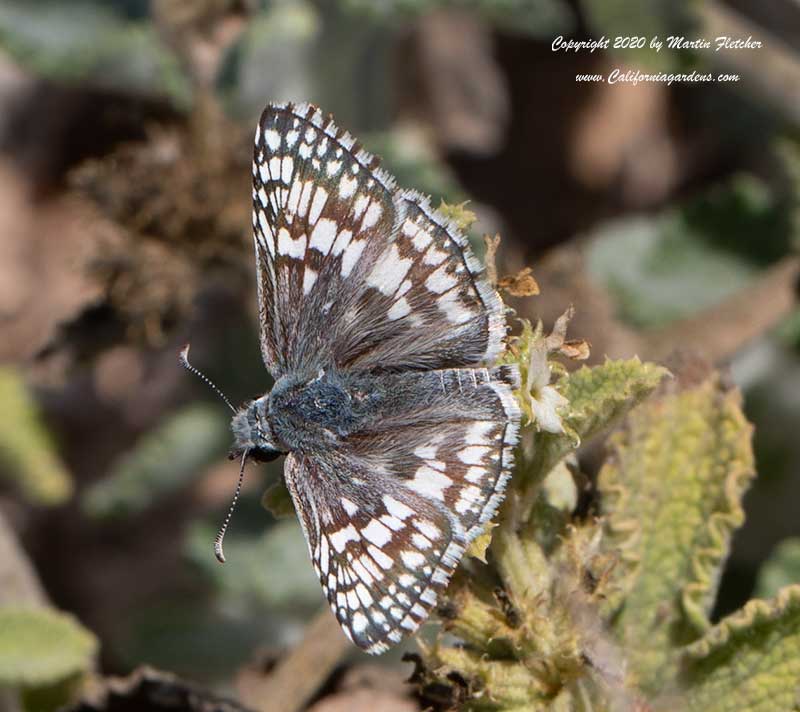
x=670 y=217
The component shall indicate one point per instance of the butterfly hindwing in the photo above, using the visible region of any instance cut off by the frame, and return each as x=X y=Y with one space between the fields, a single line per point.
x=389 y=514
x=448 y=436
x=364 y=543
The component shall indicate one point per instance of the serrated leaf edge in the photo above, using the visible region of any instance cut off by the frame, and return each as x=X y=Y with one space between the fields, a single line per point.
x=755 y=612
x=707 y=562
x=632 y=393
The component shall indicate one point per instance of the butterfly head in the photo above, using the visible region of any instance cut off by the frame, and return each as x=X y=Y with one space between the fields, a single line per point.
x=253 y=440
x=252 y=433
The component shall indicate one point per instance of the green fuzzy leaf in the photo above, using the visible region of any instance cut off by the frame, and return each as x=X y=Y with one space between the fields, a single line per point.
x=597 y=397
x=27 y=453
x=165 y=460
x=781 y=569
x=749 y=660
x=671 y=493
x=459 y=214
x=39 y=646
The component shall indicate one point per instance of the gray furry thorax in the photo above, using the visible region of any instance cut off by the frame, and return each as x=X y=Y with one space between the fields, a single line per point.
x=307 y=413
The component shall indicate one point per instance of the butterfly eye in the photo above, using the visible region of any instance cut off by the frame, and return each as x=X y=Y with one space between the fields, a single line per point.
x=263 y=454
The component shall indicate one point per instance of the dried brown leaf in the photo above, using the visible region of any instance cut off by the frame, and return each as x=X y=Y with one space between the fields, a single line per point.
x=521 y=284
x=556 y=339
x=576 y=349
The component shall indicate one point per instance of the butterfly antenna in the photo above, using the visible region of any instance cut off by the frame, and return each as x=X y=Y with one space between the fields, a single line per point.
x=184 y=358
x=221 y=535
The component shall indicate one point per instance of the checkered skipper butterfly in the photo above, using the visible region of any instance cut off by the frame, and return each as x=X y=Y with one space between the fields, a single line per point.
x=380 y=331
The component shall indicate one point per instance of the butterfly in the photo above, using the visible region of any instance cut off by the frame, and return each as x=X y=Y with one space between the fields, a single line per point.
x=380 y=331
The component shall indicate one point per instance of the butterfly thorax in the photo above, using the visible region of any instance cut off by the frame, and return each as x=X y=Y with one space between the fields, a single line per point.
x=315 y=413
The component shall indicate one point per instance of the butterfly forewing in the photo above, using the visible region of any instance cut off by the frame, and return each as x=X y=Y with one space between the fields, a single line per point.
x=322 y=212
x=352 y=271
